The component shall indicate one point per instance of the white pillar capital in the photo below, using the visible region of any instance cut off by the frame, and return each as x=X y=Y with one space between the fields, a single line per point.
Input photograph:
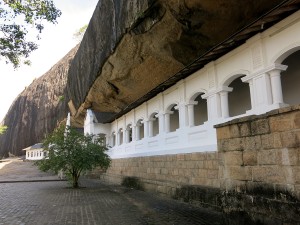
x=192 y=103
x=224 y=89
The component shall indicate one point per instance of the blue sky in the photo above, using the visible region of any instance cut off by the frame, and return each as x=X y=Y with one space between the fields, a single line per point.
x=57 y=40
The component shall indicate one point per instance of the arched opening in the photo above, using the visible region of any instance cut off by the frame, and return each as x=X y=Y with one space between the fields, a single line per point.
x=200 y=110
x=153 y=125
x=129 y=133
x=290 y=79
x=120 y=133
x=113 y=139
x=139 y=130
x=239 y=100
x=174 y=118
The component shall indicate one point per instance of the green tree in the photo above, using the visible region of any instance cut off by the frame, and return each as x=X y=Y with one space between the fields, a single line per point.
x=73 y=152
x=3 y=129
x=78 y=35
x=16 y=16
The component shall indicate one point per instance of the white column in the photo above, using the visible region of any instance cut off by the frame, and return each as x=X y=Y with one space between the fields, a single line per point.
x=167 y=122
x=124 y=136
x=117 y=138
x=224 y=104
x=265 y=88
x=191 y=113
x=224 y=100
x=150 y=123
x=161 y=123
x=276 y=86
x=213 y=105
x=127 y=135
x=133 y=132
x=146 y=128
x=183 y=115
x=252 y=98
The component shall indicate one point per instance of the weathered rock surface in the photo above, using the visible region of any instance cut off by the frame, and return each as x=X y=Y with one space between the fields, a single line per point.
x=132 y=46
x=129 y=48
x=37 y=110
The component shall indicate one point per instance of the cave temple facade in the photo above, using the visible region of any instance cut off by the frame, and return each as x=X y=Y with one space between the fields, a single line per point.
x=254 y=78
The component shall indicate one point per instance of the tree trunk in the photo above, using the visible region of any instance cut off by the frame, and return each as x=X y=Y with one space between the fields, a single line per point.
x=75 y=178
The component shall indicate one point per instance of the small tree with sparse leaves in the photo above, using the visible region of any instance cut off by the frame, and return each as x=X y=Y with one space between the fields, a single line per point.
x=73 y=152
x=3 y=129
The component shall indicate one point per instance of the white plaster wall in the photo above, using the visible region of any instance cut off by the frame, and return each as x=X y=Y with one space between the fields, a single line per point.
x=153 y=105
x=171 y=97
x=130 y=117
x=282 y=37
x=114 y=126
x=196 y=83
x=102 y=128
x=140 y=113
x=236 y=63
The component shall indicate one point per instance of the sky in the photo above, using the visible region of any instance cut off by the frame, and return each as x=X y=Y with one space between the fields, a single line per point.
x=56 y=41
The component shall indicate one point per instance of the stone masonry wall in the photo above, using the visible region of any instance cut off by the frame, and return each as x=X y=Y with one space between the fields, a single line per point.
x=260 y=169
x=165 y=174
x=254 y=178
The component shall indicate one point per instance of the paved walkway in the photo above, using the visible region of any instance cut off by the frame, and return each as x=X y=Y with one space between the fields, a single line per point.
x=39 y=203
x=16 y=170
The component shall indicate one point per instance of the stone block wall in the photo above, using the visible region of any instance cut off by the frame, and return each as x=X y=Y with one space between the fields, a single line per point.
x=165 y=174
x=255 y=174
x=260 y=164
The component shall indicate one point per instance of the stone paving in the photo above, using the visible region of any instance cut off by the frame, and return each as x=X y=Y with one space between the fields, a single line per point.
x=53 y=202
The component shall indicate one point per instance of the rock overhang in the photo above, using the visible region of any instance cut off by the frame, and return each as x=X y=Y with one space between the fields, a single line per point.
x=156 y=45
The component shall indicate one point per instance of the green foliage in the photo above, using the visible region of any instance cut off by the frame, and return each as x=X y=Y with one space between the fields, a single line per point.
x=73 y=152
x=80 y=32
x=61 y=98
x=15 y=18
x=3 y=129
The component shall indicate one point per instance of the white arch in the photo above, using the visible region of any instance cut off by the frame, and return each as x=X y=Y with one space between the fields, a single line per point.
x=194 y=95
x=153 y=113
x=170 y=106
x=285 y=52
x=234 y=75
x=139 y=119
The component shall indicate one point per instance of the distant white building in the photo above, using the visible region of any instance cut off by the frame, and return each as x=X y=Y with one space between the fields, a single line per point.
x=35 y=152
x=258 y=76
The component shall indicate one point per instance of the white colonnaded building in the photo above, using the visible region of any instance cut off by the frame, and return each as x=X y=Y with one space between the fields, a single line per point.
x=35 y=152
x=259 y=75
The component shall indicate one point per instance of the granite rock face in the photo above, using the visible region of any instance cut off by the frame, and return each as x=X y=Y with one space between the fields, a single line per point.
x=128 y=49
x=132 y=46
x=37 y=110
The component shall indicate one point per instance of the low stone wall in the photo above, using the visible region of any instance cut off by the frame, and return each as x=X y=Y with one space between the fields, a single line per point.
x=168 y=173
x=254 y=177
x=260 y=170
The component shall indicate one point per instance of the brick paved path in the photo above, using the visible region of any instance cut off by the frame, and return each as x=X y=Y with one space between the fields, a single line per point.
x=39 y=203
